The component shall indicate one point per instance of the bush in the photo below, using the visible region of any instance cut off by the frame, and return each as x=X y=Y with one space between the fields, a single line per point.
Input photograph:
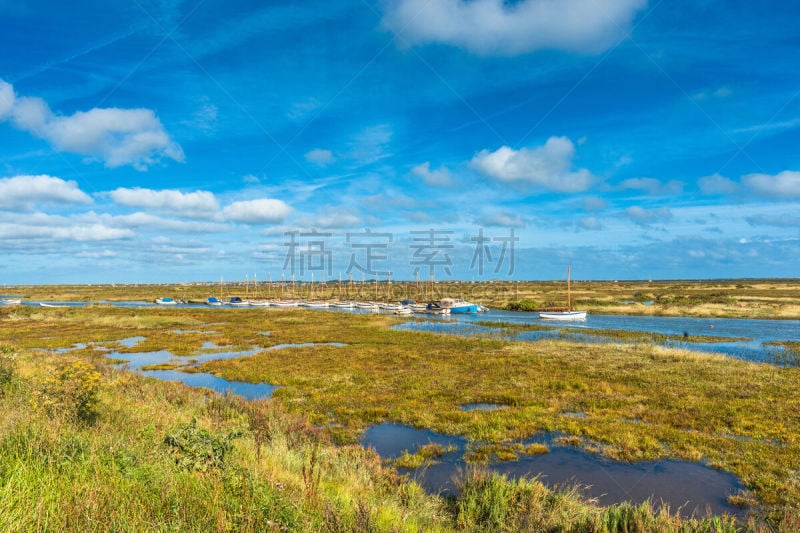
x=199 y=449
x=73 y=391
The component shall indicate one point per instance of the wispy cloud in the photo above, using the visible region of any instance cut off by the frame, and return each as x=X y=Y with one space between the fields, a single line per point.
x=116 y=136
x=503 y=220
x=780 y=221
x=548 y=166
x=652 y=186
x=320 y=157
x=770 y=126
x=494 y=27
x=643 y=216
x=205 y=117
x=371 y=144
x=590 y=223
x=334 y=218
x=437 y=178
x=593 y=203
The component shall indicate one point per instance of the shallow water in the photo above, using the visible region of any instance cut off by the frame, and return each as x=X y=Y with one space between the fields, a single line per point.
x=692 y=487
x=761 y=331
x=251 y=391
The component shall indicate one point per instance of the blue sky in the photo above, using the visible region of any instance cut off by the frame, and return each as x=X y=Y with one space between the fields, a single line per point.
x=161 y=141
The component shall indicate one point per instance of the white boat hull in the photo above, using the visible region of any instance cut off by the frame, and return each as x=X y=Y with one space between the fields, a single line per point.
x=563 y=315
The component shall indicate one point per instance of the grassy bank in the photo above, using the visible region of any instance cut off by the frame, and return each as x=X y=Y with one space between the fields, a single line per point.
x=636 y=401
x=144 y=455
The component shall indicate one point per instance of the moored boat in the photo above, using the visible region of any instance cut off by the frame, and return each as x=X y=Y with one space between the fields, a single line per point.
x=236 y=301
x=166 y=301
x=213 y=301
x=11 y=301
x=315 y=305
x=457 y=305
x=563 y=315
x=284 y=303
x=568 y=314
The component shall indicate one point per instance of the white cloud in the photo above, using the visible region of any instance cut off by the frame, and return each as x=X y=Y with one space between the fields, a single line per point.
x=648 y=216
x=653 y=186
x=504 y=220
x=716 y=184
x=198 y=204
x=156 y=223
x=261 y=211
x=6 y=99
x=783 y=185
x=22 y=192
x=64 y=232
x=720 y=92
x=437 y=178
x=320 y=157
x=548 y=166
x=103 y=254
x=115 y=136
x=495 y=27
x=336 y=219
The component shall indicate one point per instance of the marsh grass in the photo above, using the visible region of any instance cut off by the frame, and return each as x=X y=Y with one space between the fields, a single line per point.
x=640 y=402
x=426 y=454
x=163 y=457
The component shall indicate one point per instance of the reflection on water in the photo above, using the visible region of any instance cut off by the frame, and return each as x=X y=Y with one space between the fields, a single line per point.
x=137 y=361
x=761 y=331
x=692 y=487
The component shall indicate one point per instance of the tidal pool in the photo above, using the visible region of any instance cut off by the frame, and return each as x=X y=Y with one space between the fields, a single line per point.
x=251 y=391
x=692 y=488
x=760 y=331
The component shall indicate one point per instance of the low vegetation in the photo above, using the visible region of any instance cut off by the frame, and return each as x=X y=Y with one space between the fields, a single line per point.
x=94 y=448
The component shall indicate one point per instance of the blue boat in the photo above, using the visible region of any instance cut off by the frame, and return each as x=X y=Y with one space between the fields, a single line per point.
x=457 y=305
x=213 y=301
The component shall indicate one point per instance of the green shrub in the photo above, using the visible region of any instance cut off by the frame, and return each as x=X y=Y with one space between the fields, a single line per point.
x=199 y=449
x=72 y=391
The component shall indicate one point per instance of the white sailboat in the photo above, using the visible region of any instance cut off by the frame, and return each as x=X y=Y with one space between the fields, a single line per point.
x=569 y=314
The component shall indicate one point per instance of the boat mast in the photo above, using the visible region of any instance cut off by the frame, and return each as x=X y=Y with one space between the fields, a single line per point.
x=569 y=299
